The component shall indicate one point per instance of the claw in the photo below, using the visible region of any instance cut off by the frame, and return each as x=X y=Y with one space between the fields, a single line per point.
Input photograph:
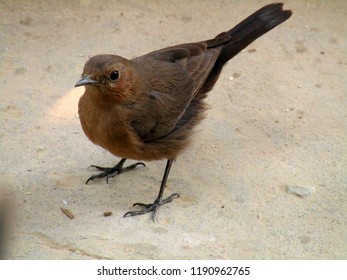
x=110 y=172
x=152 y=207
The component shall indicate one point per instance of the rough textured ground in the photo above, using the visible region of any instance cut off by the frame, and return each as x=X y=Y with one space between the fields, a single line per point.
x=277 y=118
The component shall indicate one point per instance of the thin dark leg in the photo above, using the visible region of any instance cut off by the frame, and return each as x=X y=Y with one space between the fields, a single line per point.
x=159 y=201
x=109 y=172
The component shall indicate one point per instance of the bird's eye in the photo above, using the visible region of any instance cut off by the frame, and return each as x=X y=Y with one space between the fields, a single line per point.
x=114 y=75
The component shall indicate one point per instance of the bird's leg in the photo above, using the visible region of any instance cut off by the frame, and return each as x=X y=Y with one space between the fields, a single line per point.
x=152 y=207
x=109 y=172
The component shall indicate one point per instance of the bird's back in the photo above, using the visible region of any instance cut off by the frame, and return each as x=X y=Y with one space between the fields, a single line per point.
x=165 y=91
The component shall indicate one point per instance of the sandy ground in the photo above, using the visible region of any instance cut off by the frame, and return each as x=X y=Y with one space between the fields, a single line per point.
x=277 y=118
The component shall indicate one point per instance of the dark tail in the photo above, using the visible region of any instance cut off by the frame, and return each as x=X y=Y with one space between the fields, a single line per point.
x=252 y=28
x=243 y=34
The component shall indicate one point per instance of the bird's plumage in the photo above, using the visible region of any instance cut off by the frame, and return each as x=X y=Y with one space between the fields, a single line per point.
x=146 y=108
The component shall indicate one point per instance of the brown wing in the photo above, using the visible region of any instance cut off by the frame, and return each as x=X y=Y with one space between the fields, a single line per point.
x=179 y=77
x=196 y=59
x=172 y=77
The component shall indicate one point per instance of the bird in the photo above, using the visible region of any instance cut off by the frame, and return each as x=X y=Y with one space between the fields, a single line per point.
x=146 y=108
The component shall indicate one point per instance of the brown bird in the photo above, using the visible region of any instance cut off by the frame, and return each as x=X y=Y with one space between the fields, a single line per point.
x=146 y=108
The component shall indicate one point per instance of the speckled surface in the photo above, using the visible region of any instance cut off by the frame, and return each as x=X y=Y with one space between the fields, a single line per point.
x=277 y=118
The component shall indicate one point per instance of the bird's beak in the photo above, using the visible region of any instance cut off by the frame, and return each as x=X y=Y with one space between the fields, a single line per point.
x=86 y=81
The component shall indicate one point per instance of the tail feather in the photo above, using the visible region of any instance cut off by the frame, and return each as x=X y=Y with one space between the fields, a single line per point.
x=240 y=36
x=252 y=28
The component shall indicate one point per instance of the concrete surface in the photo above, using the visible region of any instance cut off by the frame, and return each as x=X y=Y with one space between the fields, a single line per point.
x=277 y=119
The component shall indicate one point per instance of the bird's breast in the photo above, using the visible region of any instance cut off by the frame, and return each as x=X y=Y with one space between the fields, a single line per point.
x=107 y=126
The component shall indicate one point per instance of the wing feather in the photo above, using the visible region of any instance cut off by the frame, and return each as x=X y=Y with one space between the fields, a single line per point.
x=173 y=76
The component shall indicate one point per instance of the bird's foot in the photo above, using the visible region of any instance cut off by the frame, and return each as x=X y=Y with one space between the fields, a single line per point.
x=109 y=172
x=153 y=207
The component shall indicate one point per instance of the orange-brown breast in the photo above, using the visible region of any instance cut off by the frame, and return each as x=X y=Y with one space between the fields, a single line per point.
x=105 y=124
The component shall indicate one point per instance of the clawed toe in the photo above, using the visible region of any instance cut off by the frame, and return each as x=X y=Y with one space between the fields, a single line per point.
x=152 y=207
x=110 y=172
x=101 y=168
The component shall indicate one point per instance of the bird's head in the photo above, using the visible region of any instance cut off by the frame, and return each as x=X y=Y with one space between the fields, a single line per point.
x=110 y=75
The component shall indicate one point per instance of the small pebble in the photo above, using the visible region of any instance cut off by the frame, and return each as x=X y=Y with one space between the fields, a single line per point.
x=300 y=191
x=65 y=202
x=107 y=213
x=67 y=213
